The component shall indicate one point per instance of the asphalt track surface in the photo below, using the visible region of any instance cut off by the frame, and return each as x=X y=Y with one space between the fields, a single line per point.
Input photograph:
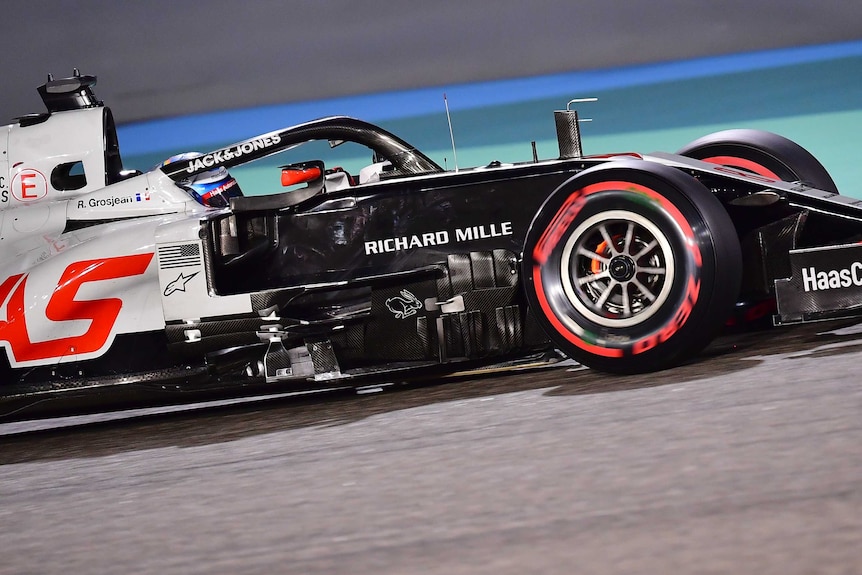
x=748 y=460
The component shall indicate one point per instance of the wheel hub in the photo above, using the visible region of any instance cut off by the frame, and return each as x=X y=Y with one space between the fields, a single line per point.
x=617 y=268
x=622 y=268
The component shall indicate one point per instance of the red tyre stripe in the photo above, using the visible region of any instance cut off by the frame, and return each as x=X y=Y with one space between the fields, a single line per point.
x=744 y=164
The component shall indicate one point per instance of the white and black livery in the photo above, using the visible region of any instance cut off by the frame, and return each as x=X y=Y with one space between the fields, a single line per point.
x=124 y=287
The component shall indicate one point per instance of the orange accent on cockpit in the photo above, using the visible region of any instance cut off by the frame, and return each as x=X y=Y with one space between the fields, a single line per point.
x=292 y=176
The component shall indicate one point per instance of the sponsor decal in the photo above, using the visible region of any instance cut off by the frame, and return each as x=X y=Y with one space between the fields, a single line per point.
x=237 y=151
x=29 y=185
x=179 y=284
x=483 y=232
x=404 y=305
x=221 y=188
x=112 y=201
x=4 y=193
x=405 y=243
x=438 y=238
x=62 y=306
x=823 y=280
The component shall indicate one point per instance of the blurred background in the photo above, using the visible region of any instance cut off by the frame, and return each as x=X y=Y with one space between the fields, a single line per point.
x=182 y=75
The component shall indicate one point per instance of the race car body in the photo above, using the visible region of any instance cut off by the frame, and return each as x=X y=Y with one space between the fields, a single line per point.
x=124 y=284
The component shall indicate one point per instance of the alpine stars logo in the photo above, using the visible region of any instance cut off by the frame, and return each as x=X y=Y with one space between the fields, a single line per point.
x=179 y=284
x=813 y=280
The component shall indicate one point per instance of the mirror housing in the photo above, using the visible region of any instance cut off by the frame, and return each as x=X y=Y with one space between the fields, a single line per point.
x=310 y=173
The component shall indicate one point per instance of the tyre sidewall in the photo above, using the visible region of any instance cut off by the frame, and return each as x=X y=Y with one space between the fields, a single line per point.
x=763 y=153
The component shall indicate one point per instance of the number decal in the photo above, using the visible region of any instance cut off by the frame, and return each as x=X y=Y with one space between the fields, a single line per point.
x=102 y=313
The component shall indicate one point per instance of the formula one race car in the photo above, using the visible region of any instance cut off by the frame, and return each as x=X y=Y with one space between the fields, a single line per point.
x=119 y=285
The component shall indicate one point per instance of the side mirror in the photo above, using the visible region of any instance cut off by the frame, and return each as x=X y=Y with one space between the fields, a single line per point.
x=310 y=173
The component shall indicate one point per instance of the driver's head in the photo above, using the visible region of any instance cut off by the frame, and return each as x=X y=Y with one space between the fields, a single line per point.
x=213 y=188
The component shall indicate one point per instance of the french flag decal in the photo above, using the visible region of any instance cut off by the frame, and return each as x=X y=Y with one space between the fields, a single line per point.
x=145 y=197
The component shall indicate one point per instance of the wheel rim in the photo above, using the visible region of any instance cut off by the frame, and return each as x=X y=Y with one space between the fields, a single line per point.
x=617 y=269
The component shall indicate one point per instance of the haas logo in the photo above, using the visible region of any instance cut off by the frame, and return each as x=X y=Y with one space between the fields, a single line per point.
x=64 y=305
x=404 y=305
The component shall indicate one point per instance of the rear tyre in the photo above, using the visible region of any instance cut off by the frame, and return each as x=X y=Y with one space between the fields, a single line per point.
x=631 y=266
x=763 y=153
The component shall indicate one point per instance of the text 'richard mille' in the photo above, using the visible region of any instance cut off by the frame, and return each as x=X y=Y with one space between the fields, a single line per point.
x=438 y=238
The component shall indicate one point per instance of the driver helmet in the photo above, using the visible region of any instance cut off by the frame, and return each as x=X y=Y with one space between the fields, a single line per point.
x=212 y=188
